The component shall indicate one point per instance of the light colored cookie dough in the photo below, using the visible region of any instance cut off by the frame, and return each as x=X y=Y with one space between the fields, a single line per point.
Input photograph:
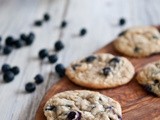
x=149 y=77
x=138 y=42
x=101 y=71
x=82 y=105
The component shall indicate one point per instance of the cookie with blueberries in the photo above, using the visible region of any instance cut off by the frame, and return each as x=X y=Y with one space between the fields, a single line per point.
x=149 y=78
x=138 y=41
x=100 y=71
x=82 y=105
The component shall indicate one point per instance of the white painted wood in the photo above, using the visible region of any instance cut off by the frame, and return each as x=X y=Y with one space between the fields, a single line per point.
x=100 y=17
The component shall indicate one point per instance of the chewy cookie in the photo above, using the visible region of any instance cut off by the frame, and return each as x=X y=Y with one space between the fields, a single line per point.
x=101 y=71
x=149 y=77
x=138 y=41
x=82 y=105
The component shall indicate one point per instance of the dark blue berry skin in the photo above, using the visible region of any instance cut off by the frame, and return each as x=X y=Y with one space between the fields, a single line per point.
x=30 y=87
x=52 y=58
x=8 y=76
x=23 y=36
x=38 y=23
x=5 y=68
x=63 y=24
x=9 y=41
x=18 y=43
x=122 y=21
x=58 y=45
x=7 y=50
x=0 y=38
x=15 y=70
x=30 y=39
x=46 y=17
x=74 y=115
x=83 y=31
x=38 y=79
x=60 y=69
x=90 y=59
x=106 y=71
x=43 y=53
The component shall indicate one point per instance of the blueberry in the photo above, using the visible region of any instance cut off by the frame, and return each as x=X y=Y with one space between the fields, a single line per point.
x=30 y=38
x=8 y=76
x=114 y=60
x=52 y=58
x=59 y=45
x=0 y=38
x=60 y=69
x=15 y=70
x=43 y=53
x=90 y=59
x=38 y=23
x=38 y=79
x=18 y=43
x=23 y=36
x=30 y=87
x=63 y=24
x=9 y=41
x=5 y=68
x=122 y=21
x=106 y=70
x=83 y=31
x=46 y=17
x=74 y=115
x=7 y=50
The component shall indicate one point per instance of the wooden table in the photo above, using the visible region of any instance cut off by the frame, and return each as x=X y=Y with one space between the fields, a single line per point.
x=100 y=17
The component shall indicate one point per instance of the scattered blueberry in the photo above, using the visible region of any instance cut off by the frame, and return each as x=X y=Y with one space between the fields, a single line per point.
x=60 y=69
x=52 y=58
x=90 y=59
x=9 y=41
x=23 y=36
x=38 y=79
x=43 y=53
x=30 y=87
x=122 y=21
x=59 y=45
x=18 y=43
x=74 y=115
x=46 y=17
x=63 y=24
x=8 y=76
x=15 y=70
x=106 y=70
x=5 y=68
x=7 y=50
x=83 y=31
x=38 y=23
x=30 y=38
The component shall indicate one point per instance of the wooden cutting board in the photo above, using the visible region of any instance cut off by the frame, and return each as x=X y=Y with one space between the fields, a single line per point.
x=136 y=103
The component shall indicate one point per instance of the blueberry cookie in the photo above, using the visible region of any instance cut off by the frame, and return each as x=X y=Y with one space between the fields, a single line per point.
x=149 y=77
x=138 y=42
x=82 y=105
x=101 y=71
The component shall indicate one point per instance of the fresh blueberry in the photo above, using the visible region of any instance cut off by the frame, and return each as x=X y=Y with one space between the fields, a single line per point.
x=5 y=68
x=15 y=70
x=7 y=50
x=43 y=53
x=60 y=69
x=74 y=115
x=38 y=79
x=52 y=58
x=30 y=87
x=38 y=23
x=18 y=43
x=63 y=24
x=83 y=31
x=9 y=41
x=46 y=17
x=59 y=45
x=122 y=21
x=8 y=76
x=23 y=36
x=30 y=38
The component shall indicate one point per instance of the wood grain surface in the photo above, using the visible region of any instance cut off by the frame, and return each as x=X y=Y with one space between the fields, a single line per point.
x=99 y=17
x=136 y=103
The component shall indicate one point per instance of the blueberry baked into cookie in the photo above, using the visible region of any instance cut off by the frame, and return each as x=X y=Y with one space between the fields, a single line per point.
x=100 y=71
x=149 y=77
x=82 y=105
x=138 y=42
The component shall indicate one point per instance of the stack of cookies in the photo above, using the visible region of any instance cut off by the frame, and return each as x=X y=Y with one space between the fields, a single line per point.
x=104 y=70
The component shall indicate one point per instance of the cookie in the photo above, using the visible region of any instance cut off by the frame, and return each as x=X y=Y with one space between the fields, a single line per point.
x=149 y=77
x=82 y=105
x=138 y=42
x=101 y=71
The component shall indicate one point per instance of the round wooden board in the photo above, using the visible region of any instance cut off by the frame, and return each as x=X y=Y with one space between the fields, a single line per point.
x=136 y=103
